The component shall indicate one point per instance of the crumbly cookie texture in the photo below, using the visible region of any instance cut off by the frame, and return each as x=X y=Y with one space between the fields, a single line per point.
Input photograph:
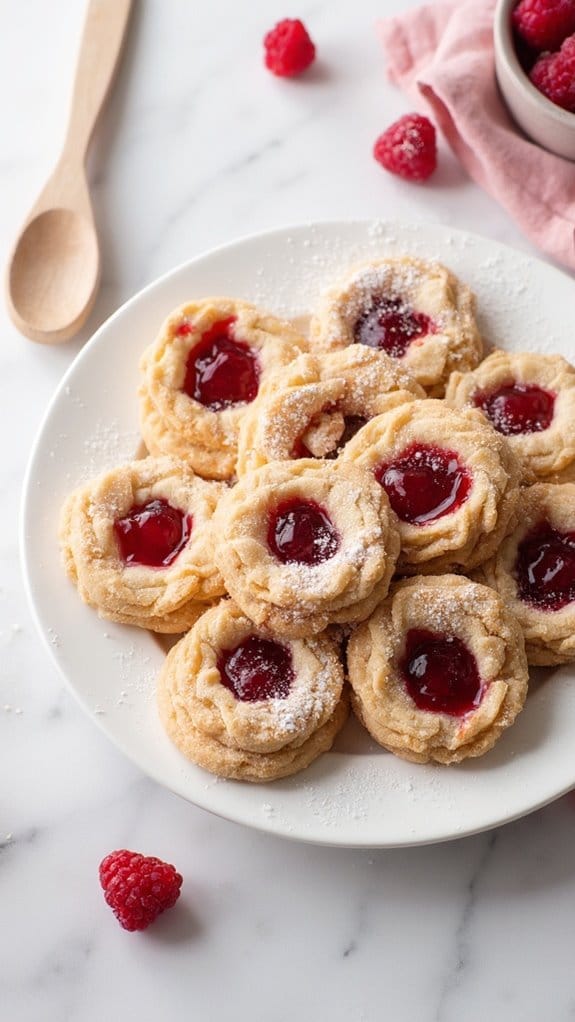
x=426 y=288
x=549 y=634
x=444 y=605
x=470 y=534
x=167 y=599
x=309 y=405
x=547 y=454
x=175 y=424
x=298 y=599
x=250 y=741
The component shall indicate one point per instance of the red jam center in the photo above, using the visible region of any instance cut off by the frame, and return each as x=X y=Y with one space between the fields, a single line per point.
x=353 y=423
x=518 y=408
x=440 y=673
x=152 y=534
x=424 y=483
x=220 y=371
x=257 y=669
x=391 y=325
x=545 y=568
x=300 y=532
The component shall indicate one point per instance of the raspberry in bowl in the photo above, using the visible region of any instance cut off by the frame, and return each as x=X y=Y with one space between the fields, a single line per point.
x=531 y=79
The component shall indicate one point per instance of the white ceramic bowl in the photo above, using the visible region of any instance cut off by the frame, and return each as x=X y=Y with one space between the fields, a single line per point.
x=544 y=122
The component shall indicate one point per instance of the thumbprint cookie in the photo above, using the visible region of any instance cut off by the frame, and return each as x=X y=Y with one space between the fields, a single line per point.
x=438 y=671
x=534 y=572
x=530 y=399
x=312 y=407
x=451 y=479
x=415 y=311
x=137 y=542
x=304 y=544
x=202 y=373
x=247 y=705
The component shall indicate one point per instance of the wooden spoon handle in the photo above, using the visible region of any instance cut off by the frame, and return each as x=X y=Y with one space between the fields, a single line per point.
x=102 y=38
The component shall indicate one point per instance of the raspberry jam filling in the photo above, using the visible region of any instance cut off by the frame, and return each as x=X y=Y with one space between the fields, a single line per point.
x=152 y=534
x=221 y=371
x=545 y=568
x=300 y=532
x=391 y=325
x=517 y=408
x=424 y=483
x=440 y=673
x=352 y=425
x=257 y=669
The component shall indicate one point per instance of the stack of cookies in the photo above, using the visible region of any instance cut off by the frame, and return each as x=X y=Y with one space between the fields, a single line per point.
x=377 y=516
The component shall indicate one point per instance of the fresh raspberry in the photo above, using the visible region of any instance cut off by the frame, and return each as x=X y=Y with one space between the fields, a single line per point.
x=289 y=49
x=408 y=148
x=138 y=887
x=544 y=24
x=554 y=75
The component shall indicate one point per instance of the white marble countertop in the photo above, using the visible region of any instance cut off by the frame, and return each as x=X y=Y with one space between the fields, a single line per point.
x=199 y=146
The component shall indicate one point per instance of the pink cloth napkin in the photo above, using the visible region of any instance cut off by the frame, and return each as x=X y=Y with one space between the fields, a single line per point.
x=443 y=53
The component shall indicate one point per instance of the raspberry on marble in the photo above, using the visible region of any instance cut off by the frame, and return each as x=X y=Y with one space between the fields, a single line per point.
x=138 y=887
x=288 y=48
x=408 y=148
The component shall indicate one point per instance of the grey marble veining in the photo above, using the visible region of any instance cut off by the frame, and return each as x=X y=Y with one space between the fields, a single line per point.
x=199 y=146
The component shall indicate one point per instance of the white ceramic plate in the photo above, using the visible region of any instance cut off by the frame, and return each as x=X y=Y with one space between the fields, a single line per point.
x=357 y=794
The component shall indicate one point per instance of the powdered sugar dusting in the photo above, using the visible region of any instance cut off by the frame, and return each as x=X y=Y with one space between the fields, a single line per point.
x=135 y=670
x=362 y=790
x=396 y=282
x=306 y=702
x=108 y=446
x=510 y=289
x=444 y=608
x=282 y=430
x=312 y=580
x=321 y=415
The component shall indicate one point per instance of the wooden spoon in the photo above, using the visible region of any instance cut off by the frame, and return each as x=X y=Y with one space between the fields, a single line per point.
x=54 y=270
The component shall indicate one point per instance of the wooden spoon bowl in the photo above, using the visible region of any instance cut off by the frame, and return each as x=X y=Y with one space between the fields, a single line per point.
x=54 y=275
